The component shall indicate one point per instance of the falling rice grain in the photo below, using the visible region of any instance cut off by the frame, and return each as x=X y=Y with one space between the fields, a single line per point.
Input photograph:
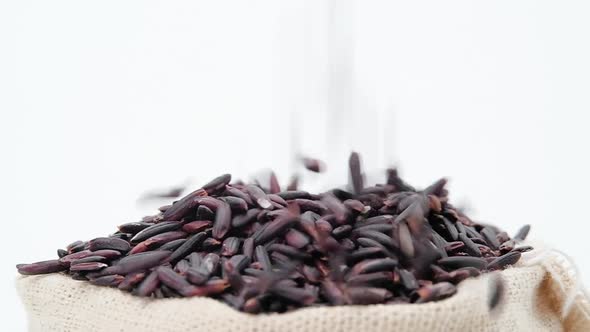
x=496 y=292
x=356 y=177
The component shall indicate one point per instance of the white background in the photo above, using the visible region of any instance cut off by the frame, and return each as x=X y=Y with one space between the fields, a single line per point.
x=100 y=101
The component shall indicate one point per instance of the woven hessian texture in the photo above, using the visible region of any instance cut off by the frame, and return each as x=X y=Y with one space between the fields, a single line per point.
x=533 y=301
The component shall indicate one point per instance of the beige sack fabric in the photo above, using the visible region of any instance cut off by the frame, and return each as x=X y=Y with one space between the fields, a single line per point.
x=535 y=295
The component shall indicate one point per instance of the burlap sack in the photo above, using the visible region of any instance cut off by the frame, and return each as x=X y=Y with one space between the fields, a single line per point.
x=535 y=296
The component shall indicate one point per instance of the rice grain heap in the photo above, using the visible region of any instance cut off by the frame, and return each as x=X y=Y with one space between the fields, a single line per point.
x=267 y=250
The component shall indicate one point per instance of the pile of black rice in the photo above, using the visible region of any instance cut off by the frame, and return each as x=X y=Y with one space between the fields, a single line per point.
x=265 y=249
